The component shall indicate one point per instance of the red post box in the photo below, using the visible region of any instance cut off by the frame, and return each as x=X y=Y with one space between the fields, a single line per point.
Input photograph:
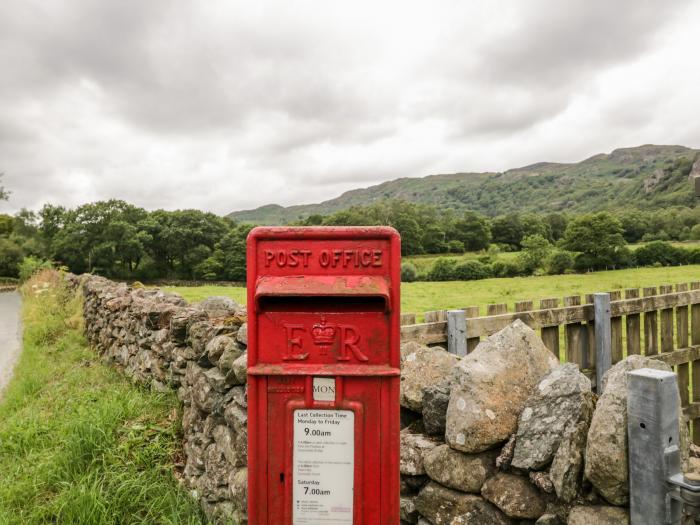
x=323 y=376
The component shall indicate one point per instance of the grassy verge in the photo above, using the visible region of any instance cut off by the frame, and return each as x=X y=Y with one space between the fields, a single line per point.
x=425 y=296
x=78 y=442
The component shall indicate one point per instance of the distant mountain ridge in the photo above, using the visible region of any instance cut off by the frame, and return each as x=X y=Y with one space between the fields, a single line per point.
x=649 y=176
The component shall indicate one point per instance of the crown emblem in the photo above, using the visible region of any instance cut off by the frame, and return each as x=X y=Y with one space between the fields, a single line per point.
x=323 y=334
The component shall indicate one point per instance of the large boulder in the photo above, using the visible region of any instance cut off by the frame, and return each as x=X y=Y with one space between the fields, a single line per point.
x=491 y=386
x=559 y=401
x=598 y=515
x=514 y=495
x=606 y=449
x=457 y=470
x=443 y=506
x=423 y=367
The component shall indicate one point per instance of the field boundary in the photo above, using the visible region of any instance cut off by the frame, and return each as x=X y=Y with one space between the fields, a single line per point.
x=659 y=321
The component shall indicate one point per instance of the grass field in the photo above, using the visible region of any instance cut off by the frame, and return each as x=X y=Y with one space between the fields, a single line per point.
x=78 y=443
x=424 y=296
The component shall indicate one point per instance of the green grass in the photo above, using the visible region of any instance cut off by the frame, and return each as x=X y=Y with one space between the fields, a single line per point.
x=194 y=294
x=78 y=443
x=424 y=296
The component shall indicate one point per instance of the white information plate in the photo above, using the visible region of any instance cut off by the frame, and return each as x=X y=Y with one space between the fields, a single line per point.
x=324 y=388
x=324 y=467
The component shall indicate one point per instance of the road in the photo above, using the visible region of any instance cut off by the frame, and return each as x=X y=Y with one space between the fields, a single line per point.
x=10 y=335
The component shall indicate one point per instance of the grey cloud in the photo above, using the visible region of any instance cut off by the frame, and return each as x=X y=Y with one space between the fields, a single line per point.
x=225 y=105
x=557 y=42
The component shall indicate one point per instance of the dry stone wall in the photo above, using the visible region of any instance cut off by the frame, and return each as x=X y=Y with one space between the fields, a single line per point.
x=158 y=340
x=505 y=435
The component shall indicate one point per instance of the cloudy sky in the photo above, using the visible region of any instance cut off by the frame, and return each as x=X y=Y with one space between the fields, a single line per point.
x=224 y=105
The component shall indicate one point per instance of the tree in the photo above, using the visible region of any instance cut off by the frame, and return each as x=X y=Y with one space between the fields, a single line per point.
x=507 y=229
x=695 y=232
x=535 y=225
x=660 y=252
x=598 y=239
x=7 y=224
x=473 y=230
x=10 y=257
x=560 y=261
x=535 y=252
x=557 y=225
x=4 y=194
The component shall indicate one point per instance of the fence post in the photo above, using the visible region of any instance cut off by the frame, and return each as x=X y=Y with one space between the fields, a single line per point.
x=652 y=430
x=603 y=337
x=457 y=332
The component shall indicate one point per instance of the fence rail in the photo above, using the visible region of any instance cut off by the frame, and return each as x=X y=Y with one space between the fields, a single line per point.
x=663 y=322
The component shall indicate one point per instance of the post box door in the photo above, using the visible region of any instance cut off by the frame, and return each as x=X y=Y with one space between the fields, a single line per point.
x=323 y=461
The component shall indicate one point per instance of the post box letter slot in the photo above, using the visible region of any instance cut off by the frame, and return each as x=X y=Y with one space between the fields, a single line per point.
x=335 y=293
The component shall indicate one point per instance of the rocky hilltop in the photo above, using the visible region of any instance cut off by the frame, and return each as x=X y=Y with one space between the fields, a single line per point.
x=644 y=176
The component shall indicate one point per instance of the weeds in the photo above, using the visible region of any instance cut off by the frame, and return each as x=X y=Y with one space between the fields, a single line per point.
x=78 y=443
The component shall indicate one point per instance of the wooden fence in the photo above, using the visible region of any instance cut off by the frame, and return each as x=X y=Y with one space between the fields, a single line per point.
x=662 y=322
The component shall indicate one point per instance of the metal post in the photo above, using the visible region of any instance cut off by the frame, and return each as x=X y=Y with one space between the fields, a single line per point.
x=457 y=332
x=652 y=430
x=603 y=337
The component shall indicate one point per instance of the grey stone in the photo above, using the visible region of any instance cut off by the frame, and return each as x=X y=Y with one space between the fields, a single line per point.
x=482 y=513
x=407 y=509
x=224 y=512
x=235 y=412
x=423 y=367
x=216 y=379
x=492 y=385
x=598 y=515
x=566 y=471
x=514 y=495
x=550 y=519
x=220 y=344
x=225 y=438
x=219 y=306
x=242 y=335
x=199 y=333
x=556 y=404
x=408 y=348
x=606 y=449
x=216 y=465
x=442 y=506
x=238 y=484
x=240 y=369
x=435 y=401
x=413 y=446
x=505 y=457
x=457 y=470
x=181 y=320
x=542 y=481
x=205 y=397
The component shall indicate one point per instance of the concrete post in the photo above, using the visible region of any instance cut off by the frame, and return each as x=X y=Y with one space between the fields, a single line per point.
x=652 y=430
x=603 y=337
x=457 y=332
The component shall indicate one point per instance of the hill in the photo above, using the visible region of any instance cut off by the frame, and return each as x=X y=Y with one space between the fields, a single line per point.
x=645 y=176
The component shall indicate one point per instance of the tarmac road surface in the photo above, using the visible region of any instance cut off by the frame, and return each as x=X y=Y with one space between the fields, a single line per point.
x=10 y=335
